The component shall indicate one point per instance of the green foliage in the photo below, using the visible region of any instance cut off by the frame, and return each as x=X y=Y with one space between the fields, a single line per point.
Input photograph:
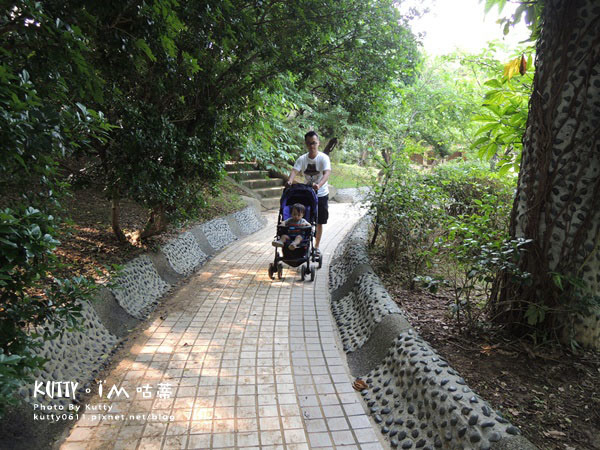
x=46 y=83
x=190 y=83
x=529 y=11
x=407 y=212
x=474 y=246
x=28 y=315
x=503 y=119
x=448 y=228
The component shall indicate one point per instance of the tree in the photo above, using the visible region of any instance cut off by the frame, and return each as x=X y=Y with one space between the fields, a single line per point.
x=186 y=81
x=557 y=202
x=45 y=82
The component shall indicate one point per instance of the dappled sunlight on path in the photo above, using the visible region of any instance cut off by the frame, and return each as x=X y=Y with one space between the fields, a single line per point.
x=235 y=360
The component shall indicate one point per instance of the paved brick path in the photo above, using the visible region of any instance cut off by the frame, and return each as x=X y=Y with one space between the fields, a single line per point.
x=241 y=361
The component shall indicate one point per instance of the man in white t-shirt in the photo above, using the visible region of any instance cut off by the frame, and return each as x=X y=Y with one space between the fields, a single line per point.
x=316 y=168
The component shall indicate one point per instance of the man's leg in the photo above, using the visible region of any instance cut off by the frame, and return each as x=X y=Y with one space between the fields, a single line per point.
x=323 y=217
x=318 y=235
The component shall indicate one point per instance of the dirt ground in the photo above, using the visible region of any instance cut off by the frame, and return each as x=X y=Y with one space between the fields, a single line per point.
x=89 y=247
x=551 y=394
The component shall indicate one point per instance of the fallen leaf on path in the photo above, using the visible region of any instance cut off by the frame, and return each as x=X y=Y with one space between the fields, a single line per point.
x=555 y=434
x=359 y=385
x=487 y=349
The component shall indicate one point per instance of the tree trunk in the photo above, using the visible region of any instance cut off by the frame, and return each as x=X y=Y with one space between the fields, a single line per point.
x=115 y=216
x=330 y=146
x=557 y=202
x=157 y=223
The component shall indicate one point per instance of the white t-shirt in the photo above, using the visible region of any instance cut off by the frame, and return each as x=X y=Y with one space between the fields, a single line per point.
x=313 y=170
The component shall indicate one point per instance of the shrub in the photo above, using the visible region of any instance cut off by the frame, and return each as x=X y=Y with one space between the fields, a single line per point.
x=408 y=213
x=34 y=307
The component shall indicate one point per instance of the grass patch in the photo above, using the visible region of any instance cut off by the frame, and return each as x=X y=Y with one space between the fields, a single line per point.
x=227 y=201
x=350 y=175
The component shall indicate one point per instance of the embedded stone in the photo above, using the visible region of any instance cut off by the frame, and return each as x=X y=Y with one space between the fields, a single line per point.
x=475 y=437
x=494 y=437
x=512 y=430
x=407 y=444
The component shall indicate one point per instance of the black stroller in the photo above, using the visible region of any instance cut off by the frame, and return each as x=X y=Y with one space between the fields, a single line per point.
x=305 y=252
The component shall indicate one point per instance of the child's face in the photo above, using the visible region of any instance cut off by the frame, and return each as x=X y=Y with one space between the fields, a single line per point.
x=296 y=215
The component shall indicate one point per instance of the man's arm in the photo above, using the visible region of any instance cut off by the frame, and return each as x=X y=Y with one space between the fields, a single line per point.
x=293 y=174
x=324 y=179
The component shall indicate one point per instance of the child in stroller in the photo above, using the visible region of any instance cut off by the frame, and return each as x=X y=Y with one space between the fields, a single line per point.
x=301 y=250
x=295 y=225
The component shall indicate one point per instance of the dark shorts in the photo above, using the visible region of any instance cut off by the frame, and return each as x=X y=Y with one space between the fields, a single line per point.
x=323 y=209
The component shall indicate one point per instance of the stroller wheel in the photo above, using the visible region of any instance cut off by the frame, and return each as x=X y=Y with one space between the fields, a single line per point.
x=320 y=259
x=280 y=271
x=312 y=273
x=271 y=271
x=302 y=272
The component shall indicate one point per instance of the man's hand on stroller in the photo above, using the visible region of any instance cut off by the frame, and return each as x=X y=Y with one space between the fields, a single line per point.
x=315 y=186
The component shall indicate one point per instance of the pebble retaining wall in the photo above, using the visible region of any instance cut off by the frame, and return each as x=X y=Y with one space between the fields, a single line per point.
x=77 y=356
x=414 y=397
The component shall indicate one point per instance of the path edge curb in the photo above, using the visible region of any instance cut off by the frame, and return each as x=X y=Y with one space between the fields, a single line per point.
x=407 y=381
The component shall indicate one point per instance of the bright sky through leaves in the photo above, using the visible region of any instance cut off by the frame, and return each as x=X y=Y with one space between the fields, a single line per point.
x=462 y=24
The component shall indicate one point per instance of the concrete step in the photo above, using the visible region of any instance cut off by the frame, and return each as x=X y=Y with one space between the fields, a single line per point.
x=270 y=203
x=236 y=166
x=258 y=184
x=249 y=174
x=272 y=192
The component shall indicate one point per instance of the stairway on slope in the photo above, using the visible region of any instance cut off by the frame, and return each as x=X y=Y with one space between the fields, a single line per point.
x=265 y=187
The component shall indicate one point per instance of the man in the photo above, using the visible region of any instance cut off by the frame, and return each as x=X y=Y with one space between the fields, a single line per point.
x=317 y=168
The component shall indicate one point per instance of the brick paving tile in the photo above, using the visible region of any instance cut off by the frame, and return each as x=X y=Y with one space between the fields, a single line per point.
x=237 y=361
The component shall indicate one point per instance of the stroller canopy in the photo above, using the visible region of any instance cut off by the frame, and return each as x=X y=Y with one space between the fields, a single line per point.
x=299 y=193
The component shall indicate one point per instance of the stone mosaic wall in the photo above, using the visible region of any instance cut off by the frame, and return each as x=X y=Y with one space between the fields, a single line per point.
x=184 y=254
x=139 y=287
x=414 y=397
x=73 y=357
x=218 y=233
x=587 y=329
x=361 y=310
x=77 y=356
